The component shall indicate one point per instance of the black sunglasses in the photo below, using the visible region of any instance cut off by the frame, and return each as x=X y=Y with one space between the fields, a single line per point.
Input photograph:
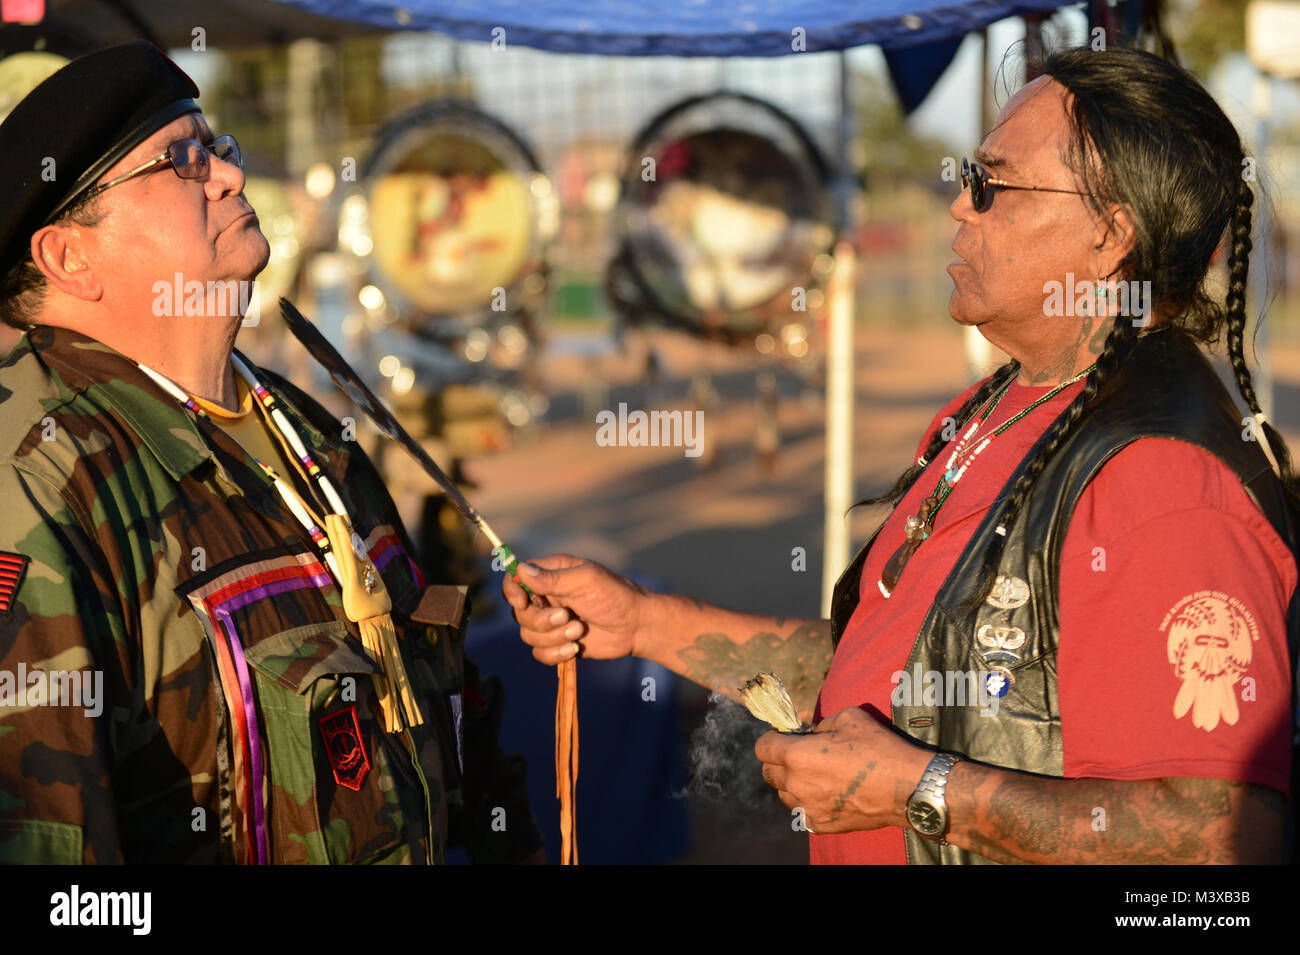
x=981 y=185
x=188 y=157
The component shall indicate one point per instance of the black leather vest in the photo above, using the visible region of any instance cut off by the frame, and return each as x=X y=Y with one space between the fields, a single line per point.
x=1165 y=389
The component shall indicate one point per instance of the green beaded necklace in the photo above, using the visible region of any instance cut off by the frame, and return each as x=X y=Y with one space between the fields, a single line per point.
x=919 y=525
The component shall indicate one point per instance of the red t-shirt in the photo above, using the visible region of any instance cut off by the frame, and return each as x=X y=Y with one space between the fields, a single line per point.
x=1164 y=547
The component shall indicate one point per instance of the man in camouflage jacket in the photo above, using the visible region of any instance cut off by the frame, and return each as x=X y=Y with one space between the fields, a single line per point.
x=132 y=529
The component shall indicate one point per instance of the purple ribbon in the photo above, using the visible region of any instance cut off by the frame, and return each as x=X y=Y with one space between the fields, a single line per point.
x=254 y=737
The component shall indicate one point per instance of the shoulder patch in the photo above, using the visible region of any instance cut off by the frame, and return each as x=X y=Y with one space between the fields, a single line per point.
x=345 y=746
x=1210 y=647
x=12 y=568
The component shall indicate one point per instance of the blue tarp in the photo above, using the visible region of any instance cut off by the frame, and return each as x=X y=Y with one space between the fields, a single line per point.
x=915 y=69
x=687 y=27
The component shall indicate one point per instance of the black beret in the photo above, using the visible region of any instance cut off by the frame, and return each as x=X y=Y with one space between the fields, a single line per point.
x=85 y=117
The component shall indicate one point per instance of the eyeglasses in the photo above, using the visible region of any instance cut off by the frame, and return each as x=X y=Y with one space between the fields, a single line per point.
x=976 y=179
x=188 y=157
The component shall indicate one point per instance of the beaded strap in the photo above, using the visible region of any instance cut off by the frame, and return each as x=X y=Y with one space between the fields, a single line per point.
x=952 y=475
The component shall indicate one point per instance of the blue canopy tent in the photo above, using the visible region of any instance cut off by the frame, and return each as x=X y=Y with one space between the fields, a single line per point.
x=695 y=28
x=919 y=37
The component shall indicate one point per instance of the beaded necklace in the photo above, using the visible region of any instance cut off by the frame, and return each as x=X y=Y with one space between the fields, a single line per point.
x=366 y=601
x=285 y=429
x=919 y=525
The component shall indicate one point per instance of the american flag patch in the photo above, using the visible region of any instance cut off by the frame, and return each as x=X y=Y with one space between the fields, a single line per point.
x=12 y=568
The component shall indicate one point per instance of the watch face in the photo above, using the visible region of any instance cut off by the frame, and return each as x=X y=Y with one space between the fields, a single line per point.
x=926 y=819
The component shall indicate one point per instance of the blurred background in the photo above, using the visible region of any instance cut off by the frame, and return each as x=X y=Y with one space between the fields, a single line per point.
x=510 y=218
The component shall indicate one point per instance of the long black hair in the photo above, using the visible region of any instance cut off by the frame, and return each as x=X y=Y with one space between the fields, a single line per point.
x=1147 y=135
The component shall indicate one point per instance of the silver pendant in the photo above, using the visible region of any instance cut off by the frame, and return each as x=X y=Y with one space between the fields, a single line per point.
x=1008 y=593
x=369 y=580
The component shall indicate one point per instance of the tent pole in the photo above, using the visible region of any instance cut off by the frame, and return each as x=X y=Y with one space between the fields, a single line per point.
x=840 y=358
x=304 y=60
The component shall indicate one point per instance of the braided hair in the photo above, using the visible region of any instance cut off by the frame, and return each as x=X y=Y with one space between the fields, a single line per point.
x=1147 y=136
x=937 y=440
x=1235 y=322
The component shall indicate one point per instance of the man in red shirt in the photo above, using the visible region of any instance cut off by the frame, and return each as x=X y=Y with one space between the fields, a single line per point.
x=1164 y=694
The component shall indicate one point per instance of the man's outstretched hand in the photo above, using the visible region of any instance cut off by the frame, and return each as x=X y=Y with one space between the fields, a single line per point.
x=591 y=608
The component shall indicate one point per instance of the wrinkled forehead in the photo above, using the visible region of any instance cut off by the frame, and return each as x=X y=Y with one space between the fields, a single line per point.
x=1031 y=136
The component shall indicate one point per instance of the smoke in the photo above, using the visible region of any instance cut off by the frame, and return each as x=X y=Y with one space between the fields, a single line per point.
x=723 y=767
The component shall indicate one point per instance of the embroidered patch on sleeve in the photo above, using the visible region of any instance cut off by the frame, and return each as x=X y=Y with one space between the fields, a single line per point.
x=12 y=568
x=345 y=747
x=1210 y=645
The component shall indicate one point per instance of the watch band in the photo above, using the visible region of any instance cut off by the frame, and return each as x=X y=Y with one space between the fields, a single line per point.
x=934 y=781
x=933 y=785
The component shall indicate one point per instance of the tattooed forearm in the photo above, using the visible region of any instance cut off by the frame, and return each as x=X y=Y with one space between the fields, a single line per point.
x=1014 y=817
x=800 y=657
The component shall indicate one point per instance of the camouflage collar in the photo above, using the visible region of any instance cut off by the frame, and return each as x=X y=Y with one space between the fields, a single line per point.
x=85 y=365
x=168 y=430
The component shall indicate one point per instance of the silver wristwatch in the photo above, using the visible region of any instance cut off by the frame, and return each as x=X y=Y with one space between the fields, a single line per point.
x=927 y=812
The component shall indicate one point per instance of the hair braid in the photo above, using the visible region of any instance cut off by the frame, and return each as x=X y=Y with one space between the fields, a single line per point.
x=1147 y=136
x=937 y=441
x=1235 y=316
x=1123 y=333
x=1235 y=302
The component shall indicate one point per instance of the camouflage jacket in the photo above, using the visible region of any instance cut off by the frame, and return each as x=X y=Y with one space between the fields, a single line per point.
x=128 y=526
